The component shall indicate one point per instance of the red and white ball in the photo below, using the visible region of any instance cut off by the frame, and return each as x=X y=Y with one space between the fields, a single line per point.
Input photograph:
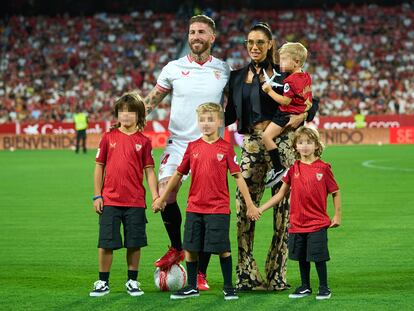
x=172 y=279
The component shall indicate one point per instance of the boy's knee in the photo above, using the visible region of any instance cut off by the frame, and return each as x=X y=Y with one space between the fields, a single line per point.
x=191 y=256
x=225 y=254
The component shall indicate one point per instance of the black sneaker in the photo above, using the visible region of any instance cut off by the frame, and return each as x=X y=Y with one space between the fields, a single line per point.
x=273 y=177
x=230 y=293
x=100 y=288
x=186 y=292
x=133 y=289
x=323 y=293
x=301 y=292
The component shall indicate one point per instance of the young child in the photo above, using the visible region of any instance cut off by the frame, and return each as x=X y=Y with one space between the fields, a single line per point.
x=124 y=154
x=310 y=181
x=296 y=99
x=208 y=211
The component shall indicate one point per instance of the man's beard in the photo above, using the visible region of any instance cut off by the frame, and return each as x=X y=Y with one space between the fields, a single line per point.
x=200 y=50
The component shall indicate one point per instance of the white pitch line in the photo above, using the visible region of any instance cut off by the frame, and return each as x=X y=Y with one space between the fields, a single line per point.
x=370 y=164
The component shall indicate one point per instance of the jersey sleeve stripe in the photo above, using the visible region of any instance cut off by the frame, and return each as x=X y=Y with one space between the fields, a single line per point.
x=162 y=89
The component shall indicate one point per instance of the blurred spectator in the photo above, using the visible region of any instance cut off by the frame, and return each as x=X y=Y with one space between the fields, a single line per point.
x=361 y=57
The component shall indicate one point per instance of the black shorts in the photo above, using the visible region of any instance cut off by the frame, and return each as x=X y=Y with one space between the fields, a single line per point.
x=134 y=222
x=207 y=232
x=309 y=246
x=281 y=118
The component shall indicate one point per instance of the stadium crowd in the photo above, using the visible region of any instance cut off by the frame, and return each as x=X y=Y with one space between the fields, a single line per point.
x=361 y=58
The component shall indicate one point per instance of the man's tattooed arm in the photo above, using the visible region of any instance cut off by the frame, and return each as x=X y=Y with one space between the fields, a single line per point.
x=153 y=99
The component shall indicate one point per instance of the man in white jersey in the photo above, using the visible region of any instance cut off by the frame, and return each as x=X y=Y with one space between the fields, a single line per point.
x=191 y=80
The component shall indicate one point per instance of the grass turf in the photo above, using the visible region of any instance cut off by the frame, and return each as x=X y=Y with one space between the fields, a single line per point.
x=48 y=237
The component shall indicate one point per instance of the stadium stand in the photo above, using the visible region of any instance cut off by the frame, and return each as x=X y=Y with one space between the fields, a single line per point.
x=361 y=58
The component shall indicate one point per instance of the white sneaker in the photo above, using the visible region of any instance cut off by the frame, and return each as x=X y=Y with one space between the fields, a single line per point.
x=100 y=288
x=133 y=288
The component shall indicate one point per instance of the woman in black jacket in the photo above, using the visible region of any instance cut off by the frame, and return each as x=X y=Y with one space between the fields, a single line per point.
x=253 y=109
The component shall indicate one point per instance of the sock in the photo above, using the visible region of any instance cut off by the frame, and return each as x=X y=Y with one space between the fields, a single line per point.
x=104 y=276
x=322 y=273
x=172 y=222
x=132 y=275
x=304 y=267
x=226 y=270
x=275 y=157
x=192 y=273
x=204 y=259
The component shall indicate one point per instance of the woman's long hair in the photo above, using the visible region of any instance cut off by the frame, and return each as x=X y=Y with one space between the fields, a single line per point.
x=265 y=29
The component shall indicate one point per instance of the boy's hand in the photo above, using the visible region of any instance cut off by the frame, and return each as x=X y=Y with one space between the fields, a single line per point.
x=335 y=222
x=98 y=205
x=253 y=213
x=158 y=205
x=266 y=88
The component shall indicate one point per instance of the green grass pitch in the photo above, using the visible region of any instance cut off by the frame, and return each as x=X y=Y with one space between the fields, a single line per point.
x=48 y=237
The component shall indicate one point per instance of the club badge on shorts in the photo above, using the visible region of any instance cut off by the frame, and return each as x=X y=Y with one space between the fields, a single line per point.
x=138 y=147
x=319 y=176
x=220 y=156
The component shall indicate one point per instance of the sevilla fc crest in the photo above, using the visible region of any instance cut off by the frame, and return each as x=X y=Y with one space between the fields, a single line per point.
x=138 y=147
x=217 y=74
x=319 y=176
x=220 y=156
x=165 y=158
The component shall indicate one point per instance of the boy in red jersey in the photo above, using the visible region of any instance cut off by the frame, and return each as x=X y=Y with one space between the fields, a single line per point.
x=310 y=180
x=123 y=156
x=296 y=99
x=208 y=211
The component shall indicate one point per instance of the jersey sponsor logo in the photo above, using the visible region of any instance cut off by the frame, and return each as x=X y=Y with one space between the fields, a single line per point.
x=98 y=152
x=185 y=73
x=164 y=158
x=217 y=74
x=319 y=176
x=220 y=156
x=138 y=147
x=286 y=88
x=112 y=145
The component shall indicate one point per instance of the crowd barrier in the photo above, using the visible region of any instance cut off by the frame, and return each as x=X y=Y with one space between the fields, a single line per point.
x=401 y=135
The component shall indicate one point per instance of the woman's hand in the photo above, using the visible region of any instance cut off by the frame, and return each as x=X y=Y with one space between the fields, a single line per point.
x=253 y=213
x=295 y=120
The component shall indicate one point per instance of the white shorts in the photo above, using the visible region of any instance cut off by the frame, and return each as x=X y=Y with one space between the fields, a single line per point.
x=172 y=158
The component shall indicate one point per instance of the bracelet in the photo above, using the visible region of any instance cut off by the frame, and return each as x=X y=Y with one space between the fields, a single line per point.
x=156 y=198
x=97 y=197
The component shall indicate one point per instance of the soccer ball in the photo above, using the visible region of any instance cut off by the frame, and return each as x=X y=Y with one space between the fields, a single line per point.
x=171 y=279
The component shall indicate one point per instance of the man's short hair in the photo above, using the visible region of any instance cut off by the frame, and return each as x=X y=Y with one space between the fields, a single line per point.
x=205 y=20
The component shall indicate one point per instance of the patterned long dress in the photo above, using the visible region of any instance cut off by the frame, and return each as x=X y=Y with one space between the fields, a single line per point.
x=255 y=162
